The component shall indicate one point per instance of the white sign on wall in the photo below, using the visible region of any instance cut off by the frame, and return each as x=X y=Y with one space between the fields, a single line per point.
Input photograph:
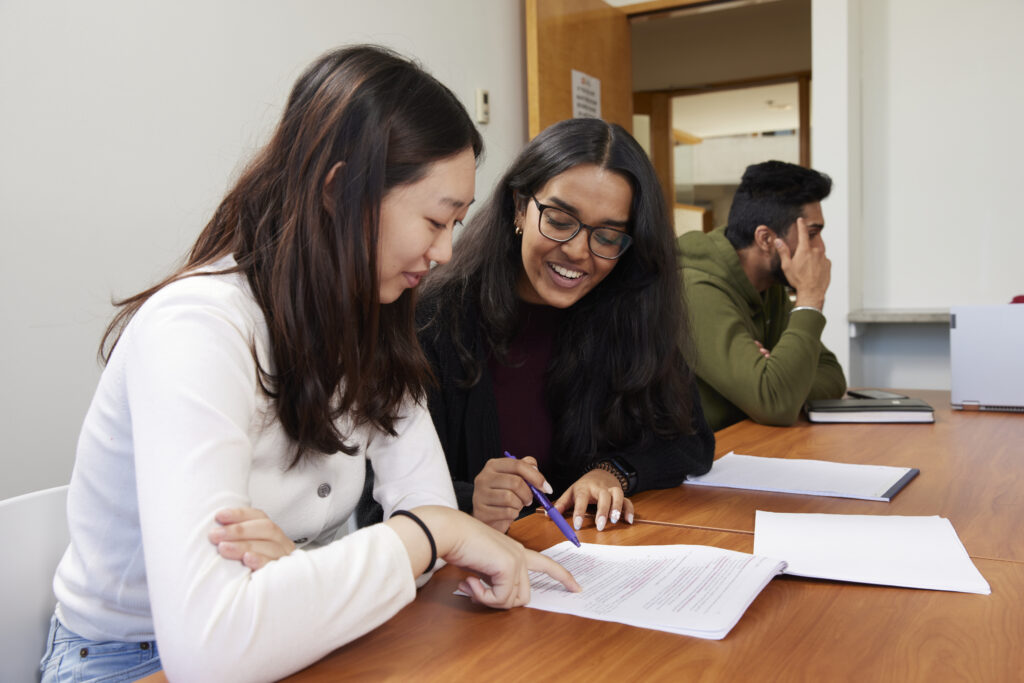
x=586 y=96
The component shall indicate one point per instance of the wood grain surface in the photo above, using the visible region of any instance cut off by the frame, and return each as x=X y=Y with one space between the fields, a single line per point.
x=796 y=630
x=585 y=35
x=972 y=472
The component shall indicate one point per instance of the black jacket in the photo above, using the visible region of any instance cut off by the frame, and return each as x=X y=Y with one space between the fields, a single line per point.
x=467 y=420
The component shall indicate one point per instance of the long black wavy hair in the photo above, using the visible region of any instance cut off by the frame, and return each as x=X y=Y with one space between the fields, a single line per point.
x=618 y=374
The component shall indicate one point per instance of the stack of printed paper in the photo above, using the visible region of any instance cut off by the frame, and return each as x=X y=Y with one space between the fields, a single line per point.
x=692 y=590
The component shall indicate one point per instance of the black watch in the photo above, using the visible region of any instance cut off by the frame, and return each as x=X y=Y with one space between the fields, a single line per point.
x=622 y=470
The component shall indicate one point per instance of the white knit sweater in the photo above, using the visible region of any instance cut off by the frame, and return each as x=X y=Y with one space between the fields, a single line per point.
x=178 y=429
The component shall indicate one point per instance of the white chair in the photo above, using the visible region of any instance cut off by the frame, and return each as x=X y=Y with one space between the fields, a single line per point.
x=33 y=536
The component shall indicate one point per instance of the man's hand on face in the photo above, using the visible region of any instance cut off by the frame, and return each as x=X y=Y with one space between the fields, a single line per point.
x=807 y=268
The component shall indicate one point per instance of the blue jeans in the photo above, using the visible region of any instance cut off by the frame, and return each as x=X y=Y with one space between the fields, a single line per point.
x=69 y=658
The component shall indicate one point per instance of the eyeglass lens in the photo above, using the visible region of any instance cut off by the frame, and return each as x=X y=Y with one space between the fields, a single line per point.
x=560 y=226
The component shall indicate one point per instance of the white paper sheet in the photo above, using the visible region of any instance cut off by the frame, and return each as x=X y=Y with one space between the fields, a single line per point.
x=687 y=589
x=912 y=552
x=809 y=477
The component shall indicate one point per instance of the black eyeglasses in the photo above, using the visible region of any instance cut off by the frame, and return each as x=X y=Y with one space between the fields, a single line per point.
x=561 y=226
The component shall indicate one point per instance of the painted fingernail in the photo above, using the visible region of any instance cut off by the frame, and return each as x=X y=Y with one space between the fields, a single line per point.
x=600 y=523
x=629 y=517
x=615 y=516
x=577 y=523
x=546 y=488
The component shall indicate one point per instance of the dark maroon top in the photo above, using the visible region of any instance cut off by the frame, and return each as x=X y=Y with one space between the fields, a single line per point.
x=523 y=416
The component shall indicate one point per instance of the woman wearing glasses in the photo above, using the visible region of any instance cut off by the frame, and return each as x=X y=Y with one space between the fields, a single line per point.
x=557 y=333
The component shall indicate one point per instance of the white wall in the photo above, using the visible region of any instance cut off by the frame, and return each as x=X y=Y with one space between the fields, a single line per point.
x=901 y=356
x=122 y=123
x=916 y=108
x=835 y=150
x=942 y=145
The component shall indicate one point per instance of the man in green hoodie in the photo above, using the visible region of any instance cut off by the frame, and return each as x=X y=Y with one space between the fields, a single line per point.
x=759 y=351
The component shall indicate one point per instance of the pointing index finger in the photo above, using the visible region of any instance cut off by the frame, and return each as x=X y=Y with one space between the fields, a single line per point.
x=803 y=232
x=542 y=563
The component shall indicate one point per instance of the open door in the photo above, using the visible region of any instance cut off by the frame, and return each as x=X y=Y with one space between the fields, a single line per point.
x=586 y=36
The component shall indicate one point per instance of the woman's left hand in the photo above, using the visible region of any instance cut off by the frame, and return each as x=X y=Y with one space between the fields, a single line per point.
x=600 y=487
x=249 y=536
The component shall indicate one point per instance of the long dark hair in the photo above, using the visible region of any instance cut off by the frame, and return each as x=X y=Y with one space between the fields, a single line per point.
x=618 y=373
x=309 y=249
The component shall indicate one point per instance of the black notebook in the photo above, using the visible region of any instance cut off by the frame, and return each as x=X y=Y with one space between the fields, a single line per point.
x=870 y=410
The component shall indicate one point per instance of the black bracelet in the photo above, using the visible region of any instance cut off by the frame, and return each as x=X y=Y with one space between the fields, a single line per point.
x=620 y=469
x=607 y=466
x=626 y=469
x=430 y=537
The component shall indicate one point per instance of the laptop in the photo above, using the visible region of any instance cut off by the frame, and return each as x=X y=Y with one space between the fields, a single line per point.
x=986 y=356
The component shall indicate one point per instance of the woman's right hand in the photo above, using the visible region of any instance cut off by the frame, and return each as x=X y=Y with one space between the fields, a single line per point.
x=503 y=563
x=246 y=534
x=500 y=491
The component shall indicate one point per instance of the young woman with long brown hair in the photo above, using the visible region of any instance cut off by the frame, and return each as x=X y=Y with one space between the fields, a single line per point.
x=262 y=376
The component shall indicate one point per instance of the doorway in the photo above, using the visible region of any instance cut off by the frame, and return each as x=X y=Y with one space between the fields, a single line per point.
x=656 y=51
x=718 y=86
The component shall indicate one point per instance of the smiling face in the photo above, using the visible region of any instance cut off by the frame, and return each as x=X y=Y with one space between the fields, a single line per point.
x=416 y=222
x=561 y=273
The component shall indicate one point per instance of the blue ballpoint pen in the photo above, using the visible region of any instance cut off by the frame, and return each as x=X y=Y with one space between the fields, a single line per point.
x=553 y=514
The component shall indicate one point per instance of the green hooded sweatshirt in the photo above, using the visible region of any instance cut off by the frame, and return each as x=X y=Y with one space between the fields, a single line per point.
x=727 y=316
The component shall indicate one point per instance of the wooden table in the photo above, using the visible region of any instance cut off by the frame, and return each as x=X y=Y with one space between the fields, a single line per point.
x=972 y=472
x=796 y=630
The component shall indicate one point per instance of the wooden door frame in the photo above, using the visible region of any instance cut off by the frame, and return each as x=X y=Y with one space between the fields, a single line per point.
x=589 y=36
